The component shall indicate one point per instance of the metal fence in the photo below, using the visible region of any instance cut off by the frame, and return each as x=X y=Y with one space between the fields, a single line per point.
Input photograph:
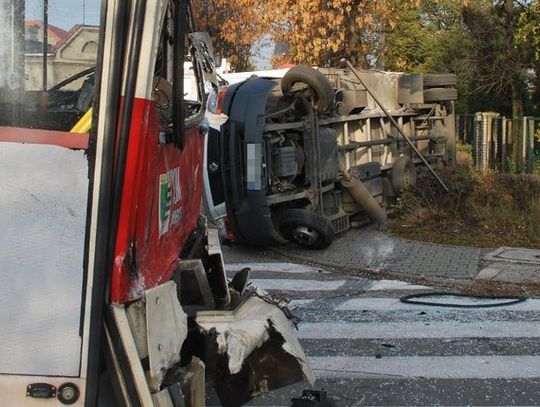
x=499 y=143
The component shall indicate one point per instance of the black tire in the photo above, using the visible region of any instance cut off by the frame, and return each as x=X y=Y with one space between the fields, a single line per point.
x=439 y=79
x=324 y=91
x=403 y=174
x=306 y=228
x=440 y=94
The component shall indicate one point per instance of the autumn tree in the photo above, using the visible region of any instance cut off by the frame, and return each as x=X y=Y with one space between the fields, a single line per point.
x=321 y=32
x=234 y=26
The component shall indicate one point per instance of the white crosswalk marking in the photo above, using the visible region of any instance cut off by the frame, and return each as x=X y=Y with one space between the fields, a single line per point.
x=419 y=330
x=298 y=285
x=277 y=267
x=360 y=335
x=455 y=367
x=382 y=285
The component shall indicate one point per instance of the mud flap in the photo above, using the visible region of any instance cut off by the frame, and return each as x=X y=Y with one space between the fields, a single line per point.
x=252 y=349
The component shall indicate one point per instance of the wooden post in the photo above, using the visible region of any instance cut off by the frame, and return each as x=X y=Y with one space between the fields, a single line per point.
x=503 y=144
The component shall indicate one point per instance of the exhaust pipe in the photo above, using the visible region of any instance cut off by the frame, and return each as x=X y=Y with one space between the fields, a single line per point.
x=363 y=197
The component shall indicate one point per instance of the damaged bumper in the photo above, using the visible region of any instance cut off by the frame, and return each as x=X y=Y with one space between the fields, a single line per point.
x=254 y=349
x=199 y=331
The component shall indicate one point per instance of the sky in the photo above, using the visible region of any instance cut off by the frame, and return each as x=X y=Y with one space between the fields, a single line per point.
x=65 y=13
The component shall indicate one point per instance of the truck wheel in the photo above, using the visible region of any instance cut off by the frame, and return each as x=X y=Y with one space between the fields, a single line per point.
x=321 y=86
x=306 y=228
x=403 y=174
x=439 y=79
x=440 y=94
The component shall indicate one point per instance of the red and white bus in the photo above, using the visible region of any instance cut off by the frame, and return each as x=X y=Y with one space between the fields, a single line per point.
x=112 y=287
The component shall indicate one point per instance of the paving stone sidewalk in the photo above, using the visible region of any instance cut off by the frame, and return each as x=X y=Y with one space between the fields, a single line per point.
x=372 y=250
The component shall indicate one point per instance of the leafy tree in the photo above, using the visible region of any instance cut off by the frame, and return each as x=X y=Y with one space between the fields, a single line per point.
x=528 y=34
x=435 y=35
x=321 y=32
x=412 y=42
x=234 y=26
x=476 y=39
x=498 y=65
x=528 y=31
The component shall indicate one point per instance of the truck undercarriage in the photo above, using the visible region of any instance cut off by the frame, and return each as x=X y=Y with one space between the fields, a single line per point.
x=306 y=156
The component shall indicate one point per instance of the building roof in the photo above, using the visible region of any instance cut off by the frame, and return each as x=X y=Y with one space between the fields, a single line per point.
x=68 y=36
x=55 y=34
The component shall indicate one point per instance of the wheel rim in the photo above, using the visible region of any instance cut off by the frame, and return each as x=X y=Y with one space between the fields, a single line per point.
x=304 y=235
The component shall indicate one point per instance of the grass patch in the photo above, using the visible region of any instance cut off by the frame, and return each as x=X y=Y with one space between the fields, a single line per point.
x=483 y=209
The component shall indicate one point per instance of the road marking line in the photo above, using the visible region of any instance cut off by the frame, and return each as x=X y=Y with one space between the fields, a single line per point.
x=439 y=367
x=394 y=304
x=298 y=285
x=383 y=285
x=365 y=330
x=277 y=267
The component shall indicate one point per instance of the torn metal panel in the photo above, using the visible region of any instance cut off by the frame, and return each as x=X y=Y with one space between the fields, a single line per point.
x=258 y=348
x=214 y=247
x=162 y=399
x=217 y=275
x=193 y=383
x=187 y=384
x=120 y=322
x=136 y=314
x=166 y=331
x=193 y=287
x=177 y=397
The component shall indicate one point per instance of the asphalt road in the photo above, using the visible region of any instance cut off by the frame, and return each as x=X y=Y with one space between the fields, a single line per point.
x=369 y=349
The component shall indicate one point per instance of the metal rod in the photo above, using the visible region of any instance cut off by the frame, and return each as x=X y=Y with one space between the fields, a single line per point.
x=394 y=122
x=45 y=42
x=503 y=144
x=355 y=145
x=524 y=145
x=530 y=148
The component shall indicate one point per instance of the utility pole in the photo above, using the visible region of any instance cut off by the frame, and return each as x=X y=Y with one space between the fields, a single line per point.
x=45 y=42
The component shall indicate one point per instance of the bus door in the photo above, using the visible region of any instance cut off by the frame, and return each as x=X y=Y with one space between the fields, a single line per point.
x=48 y=57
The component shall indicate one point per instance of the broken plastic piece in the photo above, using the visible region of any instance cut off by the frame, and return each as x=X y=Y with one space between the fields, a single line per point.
x=256 y=350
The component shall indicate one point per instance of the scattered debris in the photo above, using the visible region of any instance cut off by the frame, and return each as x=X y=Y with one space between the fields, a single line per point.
x=311 y=398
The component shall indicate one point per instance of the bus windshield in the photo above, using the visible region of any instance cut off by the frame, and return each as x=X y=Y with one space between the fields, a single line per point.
x=48 y=55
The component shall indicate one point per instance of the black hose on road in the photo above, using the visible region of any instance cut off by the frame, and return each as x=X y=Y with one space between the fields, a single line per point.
x=503 y=300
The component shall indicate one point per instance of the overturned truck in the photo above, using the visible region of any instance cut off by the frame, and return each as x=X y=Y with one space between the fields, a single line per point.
x=305 y=155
